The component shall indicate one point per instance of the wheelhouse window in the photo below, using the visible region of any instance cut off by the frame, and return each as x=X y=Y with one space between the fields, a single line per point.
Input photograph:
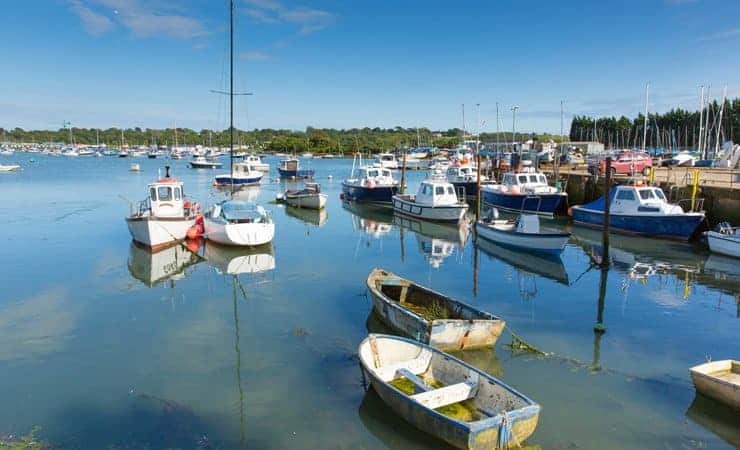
x=178 y=195
x=522 y=179
x=164 y=193
x=427 y=190
x=533 y=178
x=440 y=190
x=450 y=190
x=659 y=194
x=543 y=180
x=372 y=173
x=646 y=194
x=626 y=195
x=386 y=173
x=153 y=194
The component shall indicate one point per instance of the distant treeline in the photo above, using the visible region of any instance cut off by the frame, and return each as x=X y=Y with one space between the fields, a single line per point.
x=317 y=140
x=675 y=128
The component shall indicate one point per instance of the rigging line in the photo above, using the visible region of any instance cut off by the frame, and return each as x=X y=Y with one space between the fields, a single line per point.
x=238 y=365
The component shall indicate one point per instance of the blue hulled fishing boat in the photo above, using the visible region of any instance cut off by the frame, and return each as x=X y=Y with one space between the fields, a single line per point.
x=372 y=184
x=642 y=210
x=525 y=191
x=291 y=168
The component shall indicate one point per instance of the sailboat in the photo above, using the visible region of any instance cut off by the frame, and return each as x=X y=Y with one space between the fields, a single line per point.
x=231 y=221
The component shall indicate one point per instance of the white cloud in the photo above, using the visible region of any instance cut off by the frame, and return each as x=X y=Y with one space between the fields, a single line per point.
x=93 y=22
x=307 y=19
x=722 y=35
x=140 y=18
x=255 y=56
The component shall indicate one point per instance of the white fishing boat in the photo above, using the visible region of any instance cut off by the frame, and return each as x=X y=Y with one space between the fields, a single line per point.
x=523 y=233
x=387 y=161
x=371 y=184
x=9 y=167
x=465 y=179
x=135 y=168
x=242 y=174
x=86 y=151
x=201 y=162
x=719 y=380
x=724 y=240
x=256 y=162
x=237 y=222
x=164 y=217
x=309 y=197
x=240 y=223
x=7 y=151
x=235 y=261
x=436 y=200
x=70 y=151
x=154 y=267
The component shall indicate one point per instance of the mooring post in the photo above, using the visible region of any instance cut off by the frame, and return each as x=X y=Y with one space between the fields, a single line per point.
x=694 y=189
x=403 y=174
x=599 y=326
x=607 y=207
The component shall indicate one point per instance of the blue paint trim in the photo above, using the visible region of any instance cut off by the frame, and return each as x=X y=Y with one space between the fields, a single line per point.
x=382 y=194
x=676 y=226
x=551 y=203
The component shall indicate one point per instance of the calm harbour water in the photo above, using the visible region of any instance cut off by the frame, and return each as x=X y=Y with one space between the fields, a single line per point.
x=100 y=353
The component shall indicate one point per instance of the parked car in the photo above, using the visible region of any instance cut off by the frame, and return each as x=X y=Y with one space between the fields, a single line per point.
x=625 y=163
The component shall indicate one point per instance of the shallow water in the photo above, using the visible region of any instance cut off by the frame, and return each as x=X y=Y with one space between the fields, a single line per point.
x=104 y=345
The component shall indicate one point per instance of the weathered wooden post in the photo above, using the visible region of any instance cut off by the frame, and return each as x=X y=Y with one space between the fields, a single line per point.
x=599 y=327
x=607 y=207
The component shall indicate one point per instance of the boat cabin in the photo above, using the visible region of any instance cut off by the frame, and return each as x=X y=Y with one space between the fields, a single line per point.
x=528 y=181
x=237 y=211
x=464 y=173
x=166 y=198
x=384 y=158
x=244 y=168
x=289 y=164
x=641 y=199
x=375 y=172
x=436 y=191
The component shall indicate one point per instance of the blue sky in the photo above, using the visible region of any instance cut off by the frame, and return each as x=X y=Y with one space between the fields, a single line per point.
x=343 y=64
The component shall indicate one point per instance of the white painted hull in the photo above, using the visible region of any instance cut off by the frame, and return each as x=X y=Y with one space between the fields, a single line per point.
x=241 y=234
x=9 y=168
x=235 y=261
x=262 y=167
x=155 y=232
x=724 y=244
x=527 y=241
x=452 y=213
x=153 y=267
x=309 y=201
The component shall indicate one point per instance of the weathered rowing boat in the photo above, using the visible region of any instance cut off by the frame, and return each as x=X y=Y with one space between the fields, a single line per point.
x=719 y=380
x=431 y=317
x=446 y=397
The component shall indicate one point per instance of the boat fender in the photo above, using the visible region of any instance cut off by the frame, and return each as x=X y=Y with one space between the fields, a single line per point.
x=371 y=184
x=341 y=196
x=193 y=232
x=187 y=204
x=199 y=219
x=193 y=245
x=570 y=211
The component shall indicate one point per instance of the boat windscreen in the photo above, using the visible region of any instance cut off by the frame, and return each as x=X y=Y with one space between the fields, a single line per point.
x=240 y=211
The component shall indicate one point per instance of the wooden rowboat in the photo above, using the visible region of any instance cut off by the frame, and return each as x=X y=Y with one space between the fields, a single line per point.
x=446 y=397
x=431 y=317
x=719 y=380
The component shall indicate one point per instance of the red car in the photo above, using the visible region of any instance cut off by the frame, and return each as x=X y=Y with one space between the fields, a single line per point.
x=628 y=163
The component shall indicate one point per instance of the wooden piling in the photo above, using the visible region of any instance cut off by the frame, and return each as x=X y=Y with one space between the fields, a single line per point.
x=607 y=212
x=403 y=175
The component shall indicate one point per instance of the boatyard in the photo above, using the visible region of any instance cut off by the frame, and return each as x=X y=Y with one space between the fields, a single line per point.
x=442 y=281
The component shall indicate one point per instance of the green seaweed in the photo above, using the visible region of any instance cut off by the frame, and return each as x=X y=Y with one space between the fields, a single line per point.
x=26 y=442
x=463 y=411
x=435 y=311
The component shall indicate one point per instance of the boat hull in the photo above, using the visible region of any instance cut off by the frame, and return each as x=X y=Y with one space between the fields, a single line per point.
x=549 y=205
x=158 y=232
x=452 y=213
x=225 y=180
x=724 y=244
x=677 y=226
x=477 y=329
x=362 y=194
x=719 y=380
x=477 y=435
x=9 y=168
x=310 y=201
x=550 y=243
x=300 y=173
x=238 y=234
x=197 y=165
x=471 y=187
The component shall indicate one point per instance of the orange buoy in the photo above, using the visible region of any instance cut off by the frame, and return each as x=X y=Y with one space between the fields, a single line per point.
x=199 y=219
x=195 y=231
x=193 y=245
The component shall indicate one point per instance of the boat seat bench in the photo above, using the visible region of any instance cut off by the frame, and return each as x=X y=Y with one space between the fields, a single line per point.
x=415 y=366
x=447 y=395
x=418 y=382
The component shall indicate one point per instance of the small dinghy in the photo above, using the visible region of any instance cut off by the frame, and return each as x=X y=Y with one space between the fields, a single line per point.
x=9 y=167
x=445 y=397
x=134 y=168
x=201 y=162
x=430 y=317
x=724 y=240
x=309 y=197
x=523 y=233
x=719 y=380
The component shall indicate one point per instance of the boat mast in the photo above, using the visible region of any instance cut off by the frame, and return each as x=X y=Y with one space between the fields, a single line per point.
x=701 y=116
x=231 y=92
x=645 y=122
x=719 y=124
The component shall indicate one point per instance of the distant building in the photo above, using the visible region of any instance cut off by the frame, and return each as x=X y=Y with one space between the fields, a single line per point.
x=586 y=147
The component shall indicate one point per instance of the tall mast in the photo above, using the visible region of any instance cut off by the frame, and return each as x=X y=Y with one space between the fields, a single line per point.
x=498 y=130
x=719 y=124
x=463 y=124
x=231 y=92
x=645 y=122
x=701 y=117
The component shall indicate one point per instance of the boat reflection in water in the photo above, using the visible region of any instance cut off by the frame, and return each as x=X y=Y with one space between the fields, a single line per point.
x=642 y=258
x=436 y=241
x=375 y=221
x=317 y=217
x=547 y=266
x=232 y=260
x=166 y=264
x=716 y=418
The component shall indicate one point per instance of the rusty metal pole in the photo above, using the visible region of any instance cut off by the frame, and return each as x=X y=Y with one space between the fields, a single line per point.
x=607 y=207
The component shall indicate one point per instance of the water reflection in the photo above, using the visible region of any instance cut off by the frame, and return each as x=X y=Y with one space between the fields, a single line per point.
x=374 y=221
x=716 y=418
x=640 y=259
x=167 y=264
x=308 y=216
x=548 y=266
x=238 y=260
x=436 y=241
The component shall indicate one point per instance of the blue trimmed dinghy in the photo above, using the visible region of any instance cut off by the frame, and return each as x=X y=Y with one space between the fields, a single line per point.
x=524 y=233
x=446 y=397
x=641 y=210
